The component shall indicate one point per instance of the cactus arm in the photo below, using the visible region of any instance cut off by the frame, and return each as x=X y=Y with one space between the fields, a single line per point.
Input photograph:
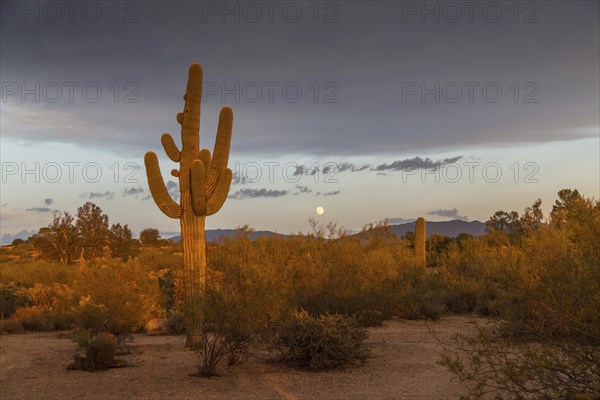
x=221 y=151
x=157 y=187
x=197 y=188
x=218 y=197
x=205 y=157
x=170 y=147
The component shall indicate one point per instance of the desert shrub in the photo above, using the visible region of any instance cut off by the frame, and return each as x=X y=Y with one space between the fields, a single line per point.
x=90 y=316
x=546 y=343
x=345 y=275
x=34 y=318
x=492 y=363
x=228 y=331
x=175 y=322
x=167 y=283
x=119 y=297
x=216 y=344
x=49 y=309
x=10 y=326
x=325 y=342
x=55 y=296
x=12 y=297
x=420 y=294
x=156 y=259
x=99 y=351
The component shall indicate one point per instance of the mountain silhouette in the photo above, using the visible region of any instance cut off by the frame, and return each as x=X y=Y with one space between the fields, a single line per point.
x=214 y=235
x=447 y=228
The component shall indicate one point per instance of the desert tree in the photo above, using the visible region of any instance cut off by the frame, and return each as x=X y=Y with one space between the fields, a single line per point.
x=59 y=240
x=93 y=231
x=150 y=237
x=121 y=242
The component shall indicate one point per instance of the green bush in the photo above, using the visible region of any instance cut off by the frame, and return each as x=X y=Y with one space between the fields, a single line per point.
x=99 y=350
x=326 y=342
x=11 y=298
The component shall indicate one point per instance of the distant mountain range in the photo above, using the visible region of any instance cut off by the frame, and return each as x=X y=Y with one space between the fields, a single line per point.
x=214 y=235
x=447 y=228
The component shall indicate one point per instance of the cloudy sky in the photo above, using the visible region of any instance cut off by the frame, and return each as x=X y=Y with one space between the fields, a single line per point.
x=369 y=109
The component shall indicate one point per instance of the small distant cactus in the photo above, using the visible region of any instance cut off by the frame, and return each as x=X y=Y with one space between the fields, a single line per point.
x=204 y=182
x=420 y=241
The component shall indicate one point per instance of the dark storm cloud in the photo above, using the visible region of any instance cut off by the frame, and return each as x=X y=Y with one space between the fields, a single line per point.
x=238 y=178
x=301 y=170
x=329 y=167
x=416 y=163
x=332 y=193
x=132 y=191
x=173 y=189
x=303 y=189
x=343 y=167
x=254 y=193
x=108 y=195
x=377 y=80
x=453 y=213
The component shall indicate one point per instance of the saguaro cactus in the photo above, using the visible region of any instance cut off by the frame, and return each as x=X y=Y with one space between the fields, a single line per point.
x=204 y=183
x=420 y=238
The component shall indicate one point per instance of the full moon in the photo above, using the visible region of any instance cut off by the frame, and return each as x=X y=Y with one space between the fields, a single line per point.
x=320 y=210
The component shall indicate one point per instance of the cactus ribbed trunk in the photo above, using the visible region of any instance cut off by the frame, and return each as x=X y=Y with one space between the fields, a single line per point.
x=420 y=242
x=194 y=269
x=204 y=182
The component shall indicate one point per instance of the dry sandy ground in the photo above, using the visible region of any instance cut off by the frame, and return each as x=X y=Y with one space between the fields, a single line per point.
x=403 y=366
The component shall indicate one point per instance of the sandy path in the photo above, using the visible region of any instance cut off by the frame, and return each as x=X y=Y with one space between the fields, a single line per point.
x=403 y=366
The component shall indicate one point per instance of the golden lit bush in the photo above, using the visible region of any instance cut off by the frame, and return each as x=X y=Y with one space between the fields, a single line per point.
x=546 y=343
x=56 y=297
x=122 y=294
x=34 y=318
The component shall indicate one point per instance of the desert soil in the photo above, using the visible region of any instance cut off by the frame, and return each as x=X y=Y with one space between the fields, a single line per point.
x=403 y=366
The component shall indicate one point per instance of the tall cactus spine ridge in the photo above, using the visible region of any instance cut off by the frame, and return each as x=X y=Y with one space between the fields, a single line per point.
x=204 y=182
x=420 y=241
